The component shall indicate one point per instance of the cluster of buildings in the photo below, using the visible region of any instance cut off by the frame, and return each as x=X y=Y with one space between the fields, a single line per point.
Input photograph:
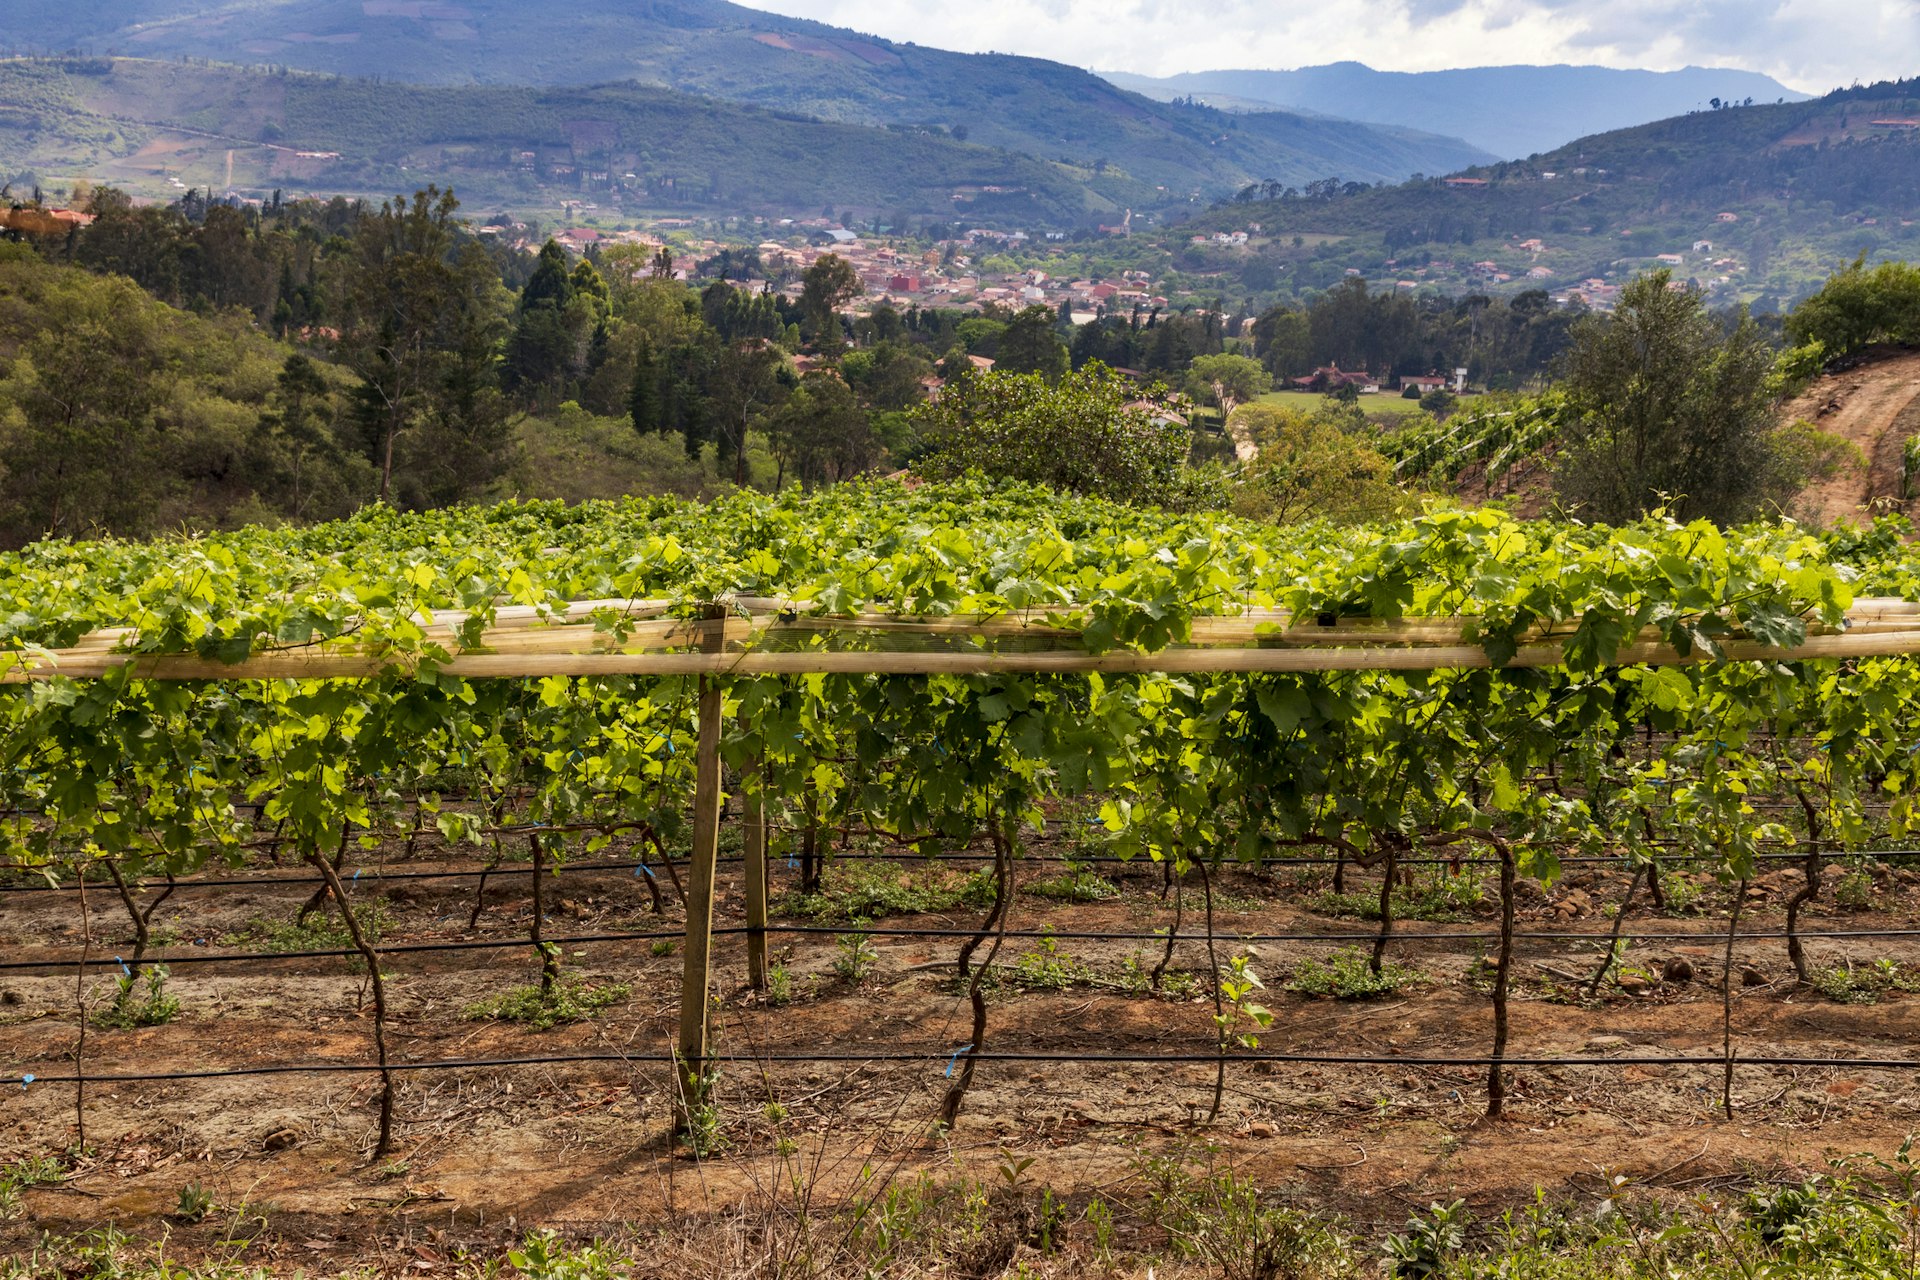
x=1332 y=377
x=952 y=275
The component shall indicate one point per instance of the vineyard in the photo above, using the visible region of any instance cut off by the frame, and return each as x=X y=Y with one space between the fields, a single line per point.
x=1494 y=439
x=486 y=864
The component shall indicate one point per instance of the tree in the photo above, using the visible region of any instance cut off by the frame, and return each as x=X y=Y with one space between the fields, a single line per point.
x=830 y=283
x=709 y=390
x=1283 y=341
x=422 y=321
x=1082 y=434
x=545 y=346
x=1029 y=344
x=1226 y=380
x=888 y=376
x=1857 y=307
x=1669 y=408
x=1307 y=468
x=821 y=433
x=296 y=455
x=82 y=452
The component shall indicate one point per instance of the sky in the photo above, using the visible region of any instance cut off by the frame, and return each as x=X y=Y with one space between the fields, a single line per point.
x=1810 y=45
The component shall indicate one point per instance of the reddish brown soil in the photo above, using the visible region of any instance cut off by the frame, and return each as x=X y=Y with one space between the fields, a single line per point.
x=483 y=1153
x=1876 y=407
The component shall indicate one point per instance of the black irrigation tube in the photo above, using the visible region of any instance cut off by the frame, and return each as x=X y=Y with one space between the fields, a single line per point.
x=334 y=953
x=1716 y=937
x=989 y=1055
x=363 y=875
x=882 y=931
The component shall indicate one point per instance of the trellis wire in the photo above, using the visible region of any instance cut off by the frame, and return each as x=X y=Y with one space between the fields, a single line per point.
x=885 y=931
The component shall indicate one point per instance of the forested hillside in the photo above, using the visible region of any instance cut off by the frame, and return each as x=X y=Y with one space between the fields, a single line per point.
x=1750 y=203
x=1044 y=109
x=1510 y=111
x=120 y=412
x=156 y=127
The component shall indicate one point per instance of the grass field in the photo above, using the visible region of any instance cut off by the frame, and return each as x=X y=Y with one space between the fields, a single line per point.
x=1387 y=404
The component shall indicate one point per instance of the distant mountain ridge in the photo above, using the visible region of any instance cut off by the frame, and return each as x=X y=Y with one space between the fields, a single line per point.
x=1512 y=111
x=159 y=128
x=1138 y=150
x=1752 y=204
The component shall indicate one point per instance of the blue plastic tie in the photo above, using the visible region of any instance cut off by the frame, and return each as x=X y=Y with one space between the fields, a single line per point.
x=356 y=872
x=644 y=870
x=26 y=1080
x=123 y=966
x=955 y=1057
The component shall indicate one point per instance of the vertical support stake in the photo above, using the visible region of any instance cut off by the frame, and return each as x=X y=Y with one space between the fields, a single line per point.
x=697 y=947
x=756 y=869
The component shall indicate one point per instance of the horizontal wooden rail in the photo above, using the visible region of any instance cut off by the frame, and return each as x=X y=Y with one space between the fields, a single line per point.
x=770 y=636
x=321 y=664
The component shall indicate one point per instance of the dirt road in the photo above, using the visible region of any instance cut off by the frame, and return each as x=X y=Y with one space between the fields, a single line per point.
x=1876 y=407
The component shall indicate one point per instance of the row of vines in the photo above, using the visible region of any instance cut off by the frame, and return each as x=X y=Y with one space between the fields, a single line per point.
x=1495 y=439
x=120 y=779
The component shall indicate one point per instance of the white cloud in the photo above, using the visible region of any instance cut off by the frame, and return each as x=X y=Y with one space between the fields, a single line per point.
x=1809 y=44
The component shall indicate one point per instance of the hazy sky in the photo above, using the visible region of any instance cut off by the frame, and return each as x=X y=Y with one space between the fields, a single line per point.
x=1812 y=45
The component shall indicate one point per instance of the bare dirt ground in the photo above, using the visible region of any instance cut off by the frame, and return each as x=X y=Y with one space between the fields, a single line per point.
x=1876 y=407
x=483 y=1153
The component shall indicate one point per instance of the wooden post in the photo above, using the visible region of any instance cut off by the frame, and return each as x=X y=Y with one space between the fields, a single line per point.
x=696 y=975
x=756 y=884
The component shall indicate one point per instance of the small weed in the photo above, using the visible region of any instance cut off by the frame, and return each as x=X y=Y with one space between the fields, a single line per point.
x=1221 y=1217
x=34 y=1171
x=1855 y=890
x=1345 y=975
x=1445 y=899
x=106 y=1253
x=779 y=985
x=1047 y=967
x=570 y=1001
x=1681 y=895
x=1136 y=976
x=1429 y=1241
x=857 y=956
x=865 y=891
x=131 y=1009
x=1075 y=884
x=322 y=930
x=196 y=1202
x=543 y=1255
x=704 y=1134
x=1241 y=1018
x=1099 y=1220
x=1864 y=985
x=661 y=947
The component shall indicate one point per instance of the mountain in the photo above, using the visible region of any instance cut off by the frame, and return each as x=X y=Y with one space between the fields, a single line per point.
x=1510 y=111
x=1053 y=112
x=157 y=128
x=1748 y=203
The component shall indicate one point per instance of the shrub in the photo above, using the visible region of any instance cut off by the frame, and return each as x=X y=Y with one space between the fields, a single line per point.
x=1081 y=434
x=1858 y=307
x=1672 y=411
x=1309 y=469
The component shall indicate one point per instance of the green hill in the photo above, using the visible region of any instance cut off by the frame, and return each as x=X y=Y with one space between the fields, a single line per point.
x=156 y=128
x=1748 y=202
x=1045 y=109
x=1511 y=111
